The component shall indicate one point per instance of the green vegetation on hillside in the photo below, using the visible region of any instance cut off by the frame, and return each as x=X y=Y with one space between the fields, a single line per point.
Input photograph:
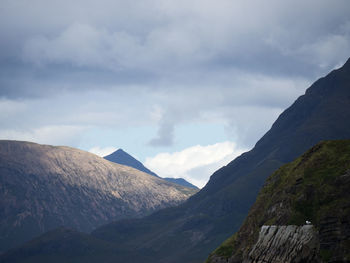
x=314 y=187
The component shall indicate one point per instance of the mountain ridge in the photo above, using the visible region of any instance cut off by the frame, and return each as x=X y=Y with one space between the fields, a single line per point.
x=44 y=186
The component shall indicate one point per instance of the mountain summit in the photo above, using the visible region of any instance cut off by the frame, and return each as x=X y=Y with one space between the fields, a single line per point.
x=122 y=157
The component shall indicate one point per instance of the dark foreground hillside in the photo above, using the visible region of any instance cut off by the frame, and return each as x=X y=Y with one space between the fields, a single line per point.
x=315 y=188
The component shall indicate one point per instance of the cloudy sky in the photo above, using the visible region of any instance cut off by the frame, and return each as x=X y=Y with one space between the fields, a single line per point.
x=184 y=86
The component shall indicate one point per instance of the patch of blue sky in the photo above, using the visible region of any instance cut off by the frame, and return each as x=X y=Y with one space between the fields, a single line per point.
x=135 y=140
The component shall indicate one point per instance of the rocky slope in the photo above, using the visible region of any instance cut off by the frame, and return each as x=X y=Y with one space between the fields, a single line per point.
x=122 y=157
x=315 y=187
x=285 y=244
x=43 y=187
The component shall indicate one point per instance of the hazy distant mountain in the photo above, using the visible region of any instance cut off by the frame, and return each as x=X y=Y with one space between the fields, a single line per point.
x=43 y=187
x=122 y=157
x=180 y=181
x=190 y=231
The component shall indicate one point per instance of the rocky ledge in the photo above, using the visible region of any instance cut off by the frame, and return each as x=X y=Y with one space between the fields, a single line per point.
x=284 y=244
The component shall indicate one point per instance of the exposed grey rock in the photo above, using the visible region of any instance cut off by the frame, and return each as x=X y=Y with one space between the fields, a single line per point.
x=285 y=244
x=43 y=187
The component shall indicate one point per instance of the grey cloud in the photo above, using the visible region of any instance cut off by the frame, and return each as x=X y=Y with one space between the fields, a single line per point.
x=162 y=34
x=246 y=105
x=158 y=38
x=165 y=135
x=109 y=62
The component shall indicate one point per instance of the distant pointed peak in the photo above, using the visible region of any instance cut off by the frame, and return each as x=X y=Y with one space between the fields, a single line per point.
x=119 y=151
x=124 y=158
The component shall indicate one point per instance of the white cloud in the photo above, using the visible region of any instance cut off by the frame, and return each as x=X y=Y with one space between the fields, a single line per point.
x=11 y=107
x=195 y=163
x=54 y=135
x=102 y=151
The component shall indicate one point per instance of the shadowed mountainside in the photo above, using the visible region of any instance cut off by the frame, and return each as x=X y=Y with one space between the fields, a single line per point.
x=43 y=187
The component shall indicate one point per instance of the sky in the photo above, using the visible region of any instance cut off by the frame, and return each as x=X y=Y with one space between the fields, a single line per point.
x=184 y=86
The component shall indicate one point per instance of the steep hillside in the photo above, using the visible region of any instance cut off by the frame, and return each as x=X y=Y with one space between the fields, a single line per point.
x=315 y=188
x=43 y=187
x=122 y=157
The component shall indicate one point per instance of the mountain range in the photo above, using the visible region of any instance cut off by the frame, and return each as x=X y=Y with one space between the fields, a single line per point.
x=43 y=187
x=190 y=231
x=122 y=157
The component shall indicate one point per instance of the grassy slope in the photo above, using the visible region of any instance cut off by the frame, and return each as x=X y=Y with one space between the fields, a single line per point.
x=312 y=187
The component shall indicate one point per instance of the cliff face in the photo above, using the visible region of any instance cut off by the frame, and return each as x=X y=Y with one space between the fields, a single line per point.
x=43 y=187
x=313 y=188
x=284 y=244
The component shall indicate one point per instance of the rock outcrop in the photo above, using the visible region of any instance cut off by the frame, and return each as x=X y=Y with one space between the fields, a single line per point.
x=285 y=244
